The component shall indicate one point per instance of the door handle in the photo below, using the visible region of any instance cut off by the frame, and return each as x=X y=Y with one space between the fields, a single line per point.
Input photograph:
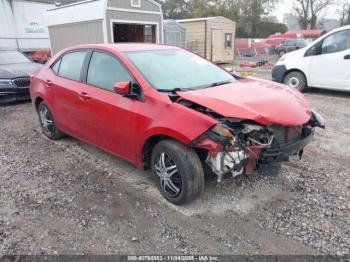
x=347 y=57
x=48 y=83
x=84 y=96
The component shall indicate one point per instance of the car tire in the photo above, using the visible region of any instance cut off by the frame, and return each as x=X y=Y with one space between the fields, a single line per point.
x=47 y=122
x=178 y=172
x=296 y=80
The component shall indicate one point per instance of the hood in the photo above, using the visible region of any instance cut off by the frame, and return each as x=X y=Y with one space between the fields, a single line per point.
x=11 y=71
x=296 y=54
x=262 y=101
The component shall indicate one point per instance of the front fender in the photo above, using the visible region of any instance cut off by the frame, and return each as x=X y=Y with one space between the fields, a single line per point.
x=171 y=120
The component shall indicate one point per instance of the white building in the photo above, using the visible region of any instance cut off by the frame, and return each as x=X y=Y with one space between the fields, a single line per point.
x=23 y=24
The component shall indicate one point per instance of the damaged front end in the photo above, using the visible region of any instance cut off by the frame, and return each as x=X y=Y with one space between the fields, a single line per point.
x=237 y=146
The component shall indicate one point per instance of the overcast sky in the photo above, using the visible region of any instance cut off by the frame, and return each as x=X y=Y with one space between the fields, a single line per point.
x=286 y=6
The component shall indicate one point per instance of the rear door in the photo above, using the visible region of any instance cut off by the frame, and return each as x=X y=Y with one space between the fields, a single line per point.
x=65 y=83
x=329 y=67
x=109 y=117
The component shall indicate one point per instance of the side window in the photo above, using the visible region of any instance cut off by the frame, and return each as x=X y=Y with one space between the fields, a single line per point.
x=105 y=71
x=336 y=42
x=71 y=65
x=228 y=40
x=314 y=50
x=56 y=67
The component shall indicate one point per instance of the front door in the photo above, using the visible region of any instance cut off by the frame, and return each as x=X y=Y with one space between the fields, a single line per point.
x=109 y=118
x=330 y=67
x=217 y=44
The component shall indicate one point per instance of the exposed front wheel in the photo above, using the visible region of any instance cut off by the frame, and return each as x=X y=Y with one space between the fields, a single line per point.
x=178 y=172
x=296 y=80
x=47 y=123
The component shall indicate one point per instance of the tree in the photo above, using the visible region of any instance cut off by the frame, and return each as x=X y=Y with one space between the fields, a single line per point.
x=345 y=14
x=308 y=10
x=266 y=28
x=248 y=14
x=176 y=9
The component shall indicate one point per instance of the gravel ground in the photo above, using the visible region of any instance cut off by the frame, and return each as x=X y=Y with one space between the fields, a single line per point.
x=67 y=197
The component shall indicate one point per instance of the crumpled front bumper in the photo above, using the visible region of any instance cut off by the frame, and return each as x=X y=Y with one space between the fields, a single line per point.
x=282 y=153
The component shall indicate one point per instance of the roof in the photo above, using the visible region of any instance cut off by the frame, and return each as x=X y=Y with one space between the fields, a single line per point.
x=76 y=12
x=126 y=47
x=62 y=2
x=199 y=19
x=79 y=11
x=173 y=22
x=66 y=3
x=72 y=3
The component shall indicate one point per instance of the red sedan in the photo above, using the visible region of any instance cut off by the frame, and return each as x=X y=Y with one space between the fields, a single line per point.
x=167 y=109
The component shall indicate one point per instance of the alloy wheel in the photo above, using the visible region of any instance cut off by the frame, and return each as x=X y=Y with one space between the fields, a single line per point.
x=293 y=82
x=168 y=174
x=46 y=120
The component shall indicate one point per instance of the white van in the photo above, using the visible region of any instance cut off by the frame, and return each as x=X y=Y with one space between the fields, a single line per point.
x=325 y=63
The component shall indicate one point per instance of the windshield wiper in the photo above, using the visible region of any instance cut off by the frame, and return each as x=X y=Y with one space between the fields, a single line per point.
x=177 y=89
x=219 y=84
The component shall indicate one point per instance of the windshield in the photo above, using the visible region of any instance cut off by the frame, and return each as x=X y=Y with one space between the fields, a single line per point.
x=12 y=57
x=176 y=69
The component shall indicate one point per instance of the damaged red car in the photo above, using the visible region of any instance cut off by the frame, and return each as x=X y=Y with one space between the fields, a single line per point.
x=167 y=109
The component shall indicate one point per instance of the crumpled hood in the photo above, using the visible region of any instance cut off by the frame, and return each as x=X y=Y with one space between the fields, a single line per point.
x=17 y=70
x=263 y=101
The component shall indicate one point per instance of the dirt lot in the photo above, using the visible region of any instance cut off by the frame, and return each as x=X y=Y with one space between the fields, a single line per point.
x=67 y=197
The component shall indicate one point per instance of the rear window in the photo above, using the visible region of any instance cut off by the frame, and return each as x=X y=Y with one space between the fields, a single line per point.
x=71 y=64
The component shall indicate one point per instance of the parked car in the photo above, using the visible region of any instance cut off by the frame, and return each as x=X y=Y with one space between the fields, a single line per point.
x=324 y=63
x=167 y=109
x=15 y=69
x=289 y=45
x=41 y=56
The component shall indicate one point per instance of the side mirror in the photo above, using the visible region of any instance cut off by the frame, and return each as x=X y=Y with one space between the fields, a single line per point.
x=122 y=88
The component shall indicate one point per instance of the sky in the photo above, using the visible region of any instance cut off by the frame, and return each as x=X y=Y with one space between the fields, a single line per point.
x=286 y=6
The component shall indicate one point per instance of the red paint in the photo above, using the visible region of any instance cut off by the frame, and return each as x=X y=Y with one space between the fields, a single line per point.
x=117 y=124
x=248 y=64
x=293 y=34
x=210 y=145
x=41 y=56
x=122 y=125
x=262 y=101
x=122 y=88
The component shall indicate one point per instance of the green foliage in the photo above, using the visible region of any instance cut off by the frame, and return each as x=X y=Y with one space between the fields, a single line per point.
x=176 y=9
x=266 y=28
x=248 y=14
